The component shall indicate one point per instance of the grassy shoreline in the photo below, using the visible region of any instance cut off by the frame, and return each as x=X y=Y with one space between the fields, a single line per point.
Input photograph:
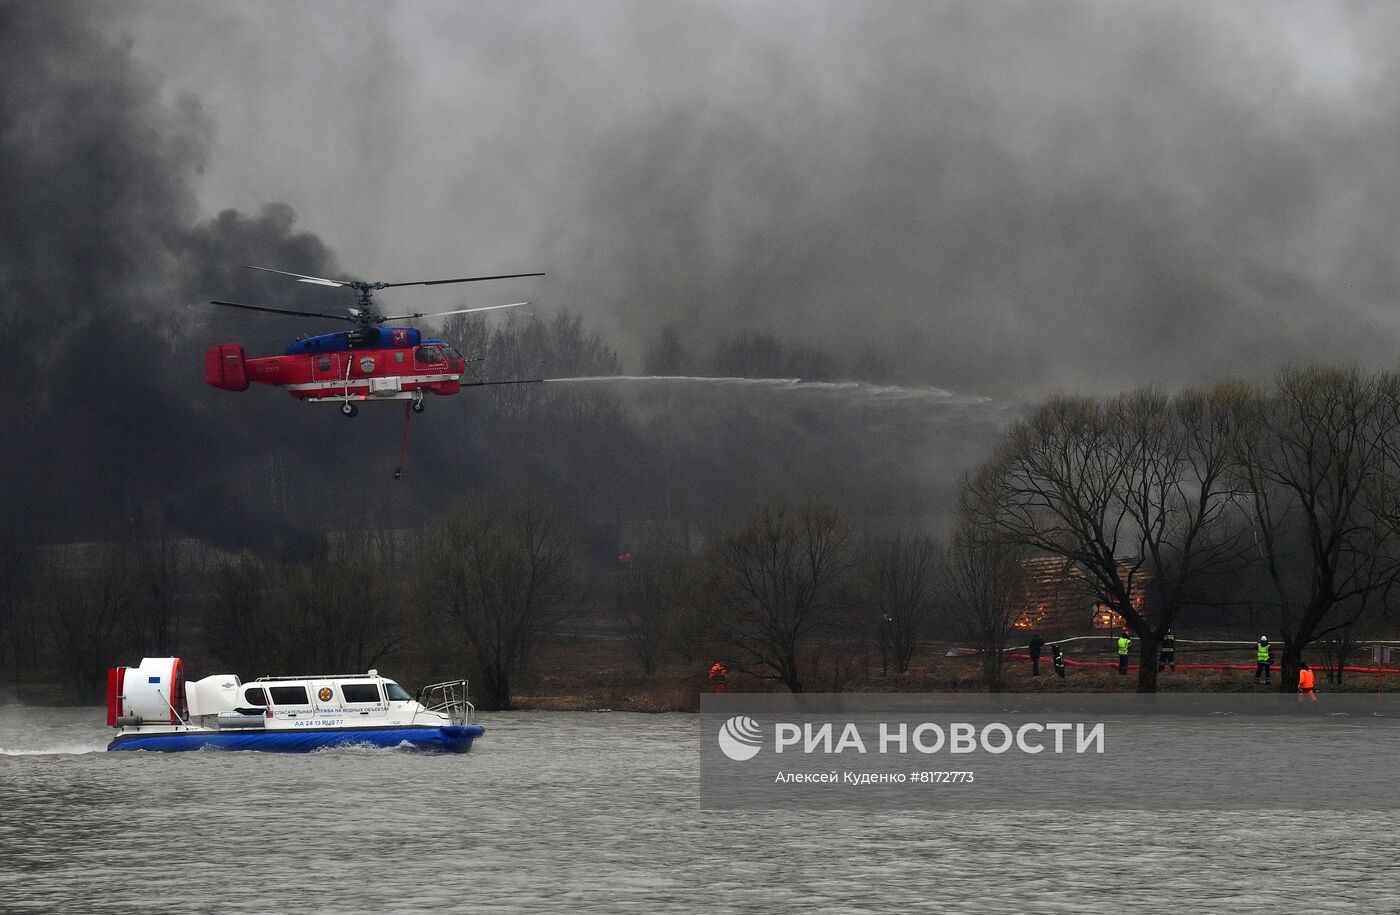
x=603 y=677
x=597 y=672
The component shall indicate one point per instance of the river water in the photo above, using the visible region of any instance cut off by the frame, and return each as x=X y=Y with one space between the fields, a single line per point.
x=583 y=812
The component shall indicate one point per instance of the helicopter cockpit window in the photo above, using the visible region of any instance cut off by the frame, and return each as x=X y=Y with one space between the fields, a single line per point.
x=428 y=354
x=452 y=353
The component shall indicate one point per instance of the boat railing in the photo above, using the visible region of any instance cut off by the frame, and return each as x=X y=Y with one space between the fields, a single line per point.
x=360 y=676
x=447 y=698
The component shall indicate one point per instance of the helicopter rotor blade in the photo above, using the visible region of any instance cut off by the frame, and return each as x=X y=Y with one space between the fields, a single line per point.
x=301 y=277
x=455 y=311
x=284 y=311
x=465 y=279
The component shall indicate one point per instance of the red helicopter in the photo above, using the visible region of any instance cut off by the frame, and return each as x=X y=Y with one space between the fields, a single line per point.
x=368 y=362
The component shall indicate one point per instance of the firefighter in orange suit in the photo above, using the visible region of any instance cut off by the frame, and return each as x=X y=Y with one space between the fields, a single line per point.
x=719 y=676
x=1307 y=683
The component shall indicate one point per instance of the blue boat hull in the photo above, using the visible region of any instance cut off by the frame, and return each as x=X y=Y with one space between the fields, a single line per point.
x=453 y=738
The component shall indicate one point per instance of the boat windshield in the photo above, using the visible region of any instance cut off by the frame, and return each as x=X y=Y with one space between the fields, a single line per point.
x=396 y=693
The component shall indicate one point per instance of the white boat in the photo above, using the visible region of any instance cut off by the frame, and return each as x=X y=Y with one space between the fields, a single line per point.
x=153 y=708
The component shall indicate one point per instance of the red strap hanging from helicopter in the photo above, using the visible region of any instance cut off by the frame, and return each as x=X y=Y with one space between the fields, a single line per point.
x=403 y=444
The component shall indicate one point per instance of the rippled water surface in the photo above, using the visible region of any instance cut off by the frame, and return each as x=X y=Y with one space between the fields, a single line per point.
x=578 y=812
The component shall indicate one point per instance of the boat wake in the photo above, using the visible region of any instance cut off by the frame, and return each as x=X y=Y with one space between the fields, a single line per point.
x=67 y=749
x=364 y=746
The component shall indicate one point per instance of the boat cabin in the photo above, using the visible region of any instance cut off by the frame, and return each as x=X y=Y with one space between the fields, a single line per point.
x=363 y=695
x=328 y=700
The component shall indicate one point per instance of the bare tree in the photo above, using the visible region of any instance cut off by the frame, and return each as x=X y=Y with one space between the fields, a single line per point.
x=1182 y=500
x=531 y=346
x=1343 y=647
x=167 y=565
x=649 y=594
x=667 y=355
x=87 y=598
x=1317 y=461
x=239 y=626
x=895 y=583
x=1132 y=491
x=986 y=587
x=342 y=613
x=505 y=573
x=772 y=585
x=20 y=641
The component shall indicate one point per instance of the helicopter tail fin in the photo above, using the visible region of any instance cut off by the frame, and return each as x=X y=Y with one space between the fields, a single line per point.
x=226 y=367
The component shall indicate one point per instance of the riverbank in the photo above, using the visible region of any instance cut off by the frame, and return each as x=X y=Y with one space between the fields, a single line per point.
x=603 y=675
x=595 y=670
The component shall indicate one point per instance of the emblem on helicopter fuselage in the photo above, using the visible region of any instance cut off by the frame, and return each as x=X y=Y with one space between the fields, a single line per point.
x=367 y=364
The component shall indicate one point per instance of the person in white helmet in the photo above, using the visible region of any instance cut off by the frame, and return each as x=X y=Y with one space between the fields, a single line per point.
x=1264 y=655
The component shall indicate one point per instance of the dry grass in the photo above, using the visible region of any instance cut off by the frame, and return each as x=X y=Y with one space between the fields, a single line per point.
x=589 y=674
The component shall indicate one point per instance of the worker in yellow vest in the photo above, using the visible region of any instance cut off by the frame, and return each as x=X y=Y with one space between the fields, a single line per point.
x=1264 y=655
x=1307 y=683
x=1125 y=642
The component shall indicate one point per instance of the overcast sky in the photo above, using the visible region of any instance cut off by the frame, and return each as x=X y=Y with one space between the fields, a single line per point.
x=1001 y=198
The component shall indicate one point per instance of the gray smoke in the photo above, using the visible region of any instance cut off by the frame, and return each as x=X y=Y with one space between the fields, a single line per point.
x=107 y=269
x=110 y=427
x=999 y=197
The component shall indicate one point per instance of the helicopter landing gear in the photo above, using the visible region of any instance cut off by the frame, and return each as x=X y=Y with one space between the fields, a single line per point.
x=418 y=405
x=349 y=409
